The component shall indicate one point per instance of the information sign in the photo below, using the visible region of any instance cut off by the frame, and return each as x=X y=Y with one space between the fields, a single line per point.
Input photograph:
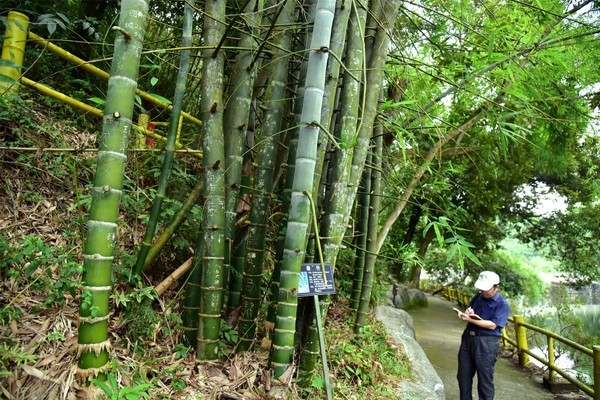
x=313 y=283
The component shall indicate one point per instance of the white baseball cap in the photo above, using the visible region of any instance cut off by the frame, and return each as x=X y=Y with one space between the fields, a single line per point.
x=487 y=280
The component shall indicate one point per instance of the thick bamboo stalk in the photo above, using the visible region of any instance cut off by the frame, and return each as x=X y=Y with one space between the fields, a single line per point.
x=93 y=339
x=213 y=226
x=337 y=212
x=299 y=215
x=237 y=114
x=266 y=149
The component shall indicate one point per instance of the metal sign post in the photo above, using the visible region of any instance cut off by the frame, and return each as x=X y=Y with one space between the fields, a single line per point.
x=315 y=280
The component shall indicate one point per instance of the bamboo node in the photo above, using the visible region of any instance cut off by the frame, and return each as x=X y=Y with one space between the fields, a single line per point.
x=97 y=348
x=116 y=114
x=323 y=49
x=93 y=320
x=85 y=374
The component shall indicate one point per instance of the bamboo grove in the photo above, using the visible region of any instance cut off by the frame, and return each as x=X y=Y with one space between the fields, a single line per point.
x=322 y=122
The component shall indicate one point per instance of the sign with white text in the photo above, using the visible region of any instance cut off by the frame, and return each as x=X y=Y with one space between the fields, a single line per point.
x=312 y=281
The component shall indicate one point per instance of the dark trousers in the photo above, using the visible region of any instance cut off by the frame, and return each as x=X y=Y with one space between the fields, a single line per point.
x=477 y=354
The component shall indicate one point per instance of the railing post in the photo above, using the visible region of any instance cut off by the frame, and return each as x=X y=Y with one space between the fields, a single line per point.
x=596 y=356
x=179 y=127
x=551 y=359
x=464 y=299
x=140 y=138
x=13 y=51
x=521 y=335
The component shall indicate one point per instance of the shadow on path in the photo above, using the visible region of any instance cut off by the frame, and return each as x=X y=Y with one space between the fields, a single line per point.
x=438 y=331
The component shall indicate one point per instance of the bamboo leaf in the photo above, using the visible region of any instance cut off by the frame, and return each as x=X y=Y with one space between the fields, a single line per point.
x=451 y=253
x=471 y=256
x=97 y=100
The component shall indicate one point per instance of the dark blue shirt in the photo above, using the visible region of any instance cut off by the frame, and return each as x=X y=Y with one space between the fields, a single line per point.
x=495 y=309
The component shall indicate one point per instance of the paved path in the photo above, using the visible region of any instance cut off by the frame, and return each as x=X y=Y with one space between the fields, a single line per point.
x=438 y=331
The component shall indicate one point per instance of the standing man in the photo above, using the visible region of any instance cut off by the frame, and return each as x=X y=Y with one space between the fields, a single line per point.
x=480 y=340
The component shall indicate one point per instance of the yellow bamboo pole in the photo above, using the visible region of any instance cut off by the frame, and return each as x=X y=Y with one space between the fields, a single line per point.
x=62 y=97
x=522 y=346
x=140 y=139
x=596 y=357
x=13 y=51
x=92 y=110
x=551 y=359
x=171 y=279
x=102 y=74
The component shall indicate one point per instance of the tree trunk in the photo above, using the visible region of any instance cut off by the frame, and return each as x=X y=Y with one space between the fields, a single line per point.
x=415 y=271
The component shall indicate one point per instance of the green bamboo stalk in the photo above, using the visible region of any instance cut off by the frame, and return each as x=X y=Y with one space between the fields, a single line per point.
x=299 y=215
x=266 y=148
x=364 y=201
x=330 y=95
x=93 y=339
x=163 y=238
x=238 y=256
x=374 y=81
x=353 y=139
x=237 y=112
x=371 y=257
x=180 y=84
x=337 y=212
x=191 y=302
x=310 y=349
x=213 y=145
x=289 y=166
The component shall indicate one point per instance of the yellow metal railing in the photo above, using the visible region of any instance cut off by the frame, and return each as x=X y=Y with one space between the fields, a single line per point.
x=520 y=343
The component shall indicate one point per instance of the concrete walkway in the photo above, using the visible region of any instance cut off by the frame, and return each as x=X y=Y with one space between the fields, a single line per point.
x=438 y=331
